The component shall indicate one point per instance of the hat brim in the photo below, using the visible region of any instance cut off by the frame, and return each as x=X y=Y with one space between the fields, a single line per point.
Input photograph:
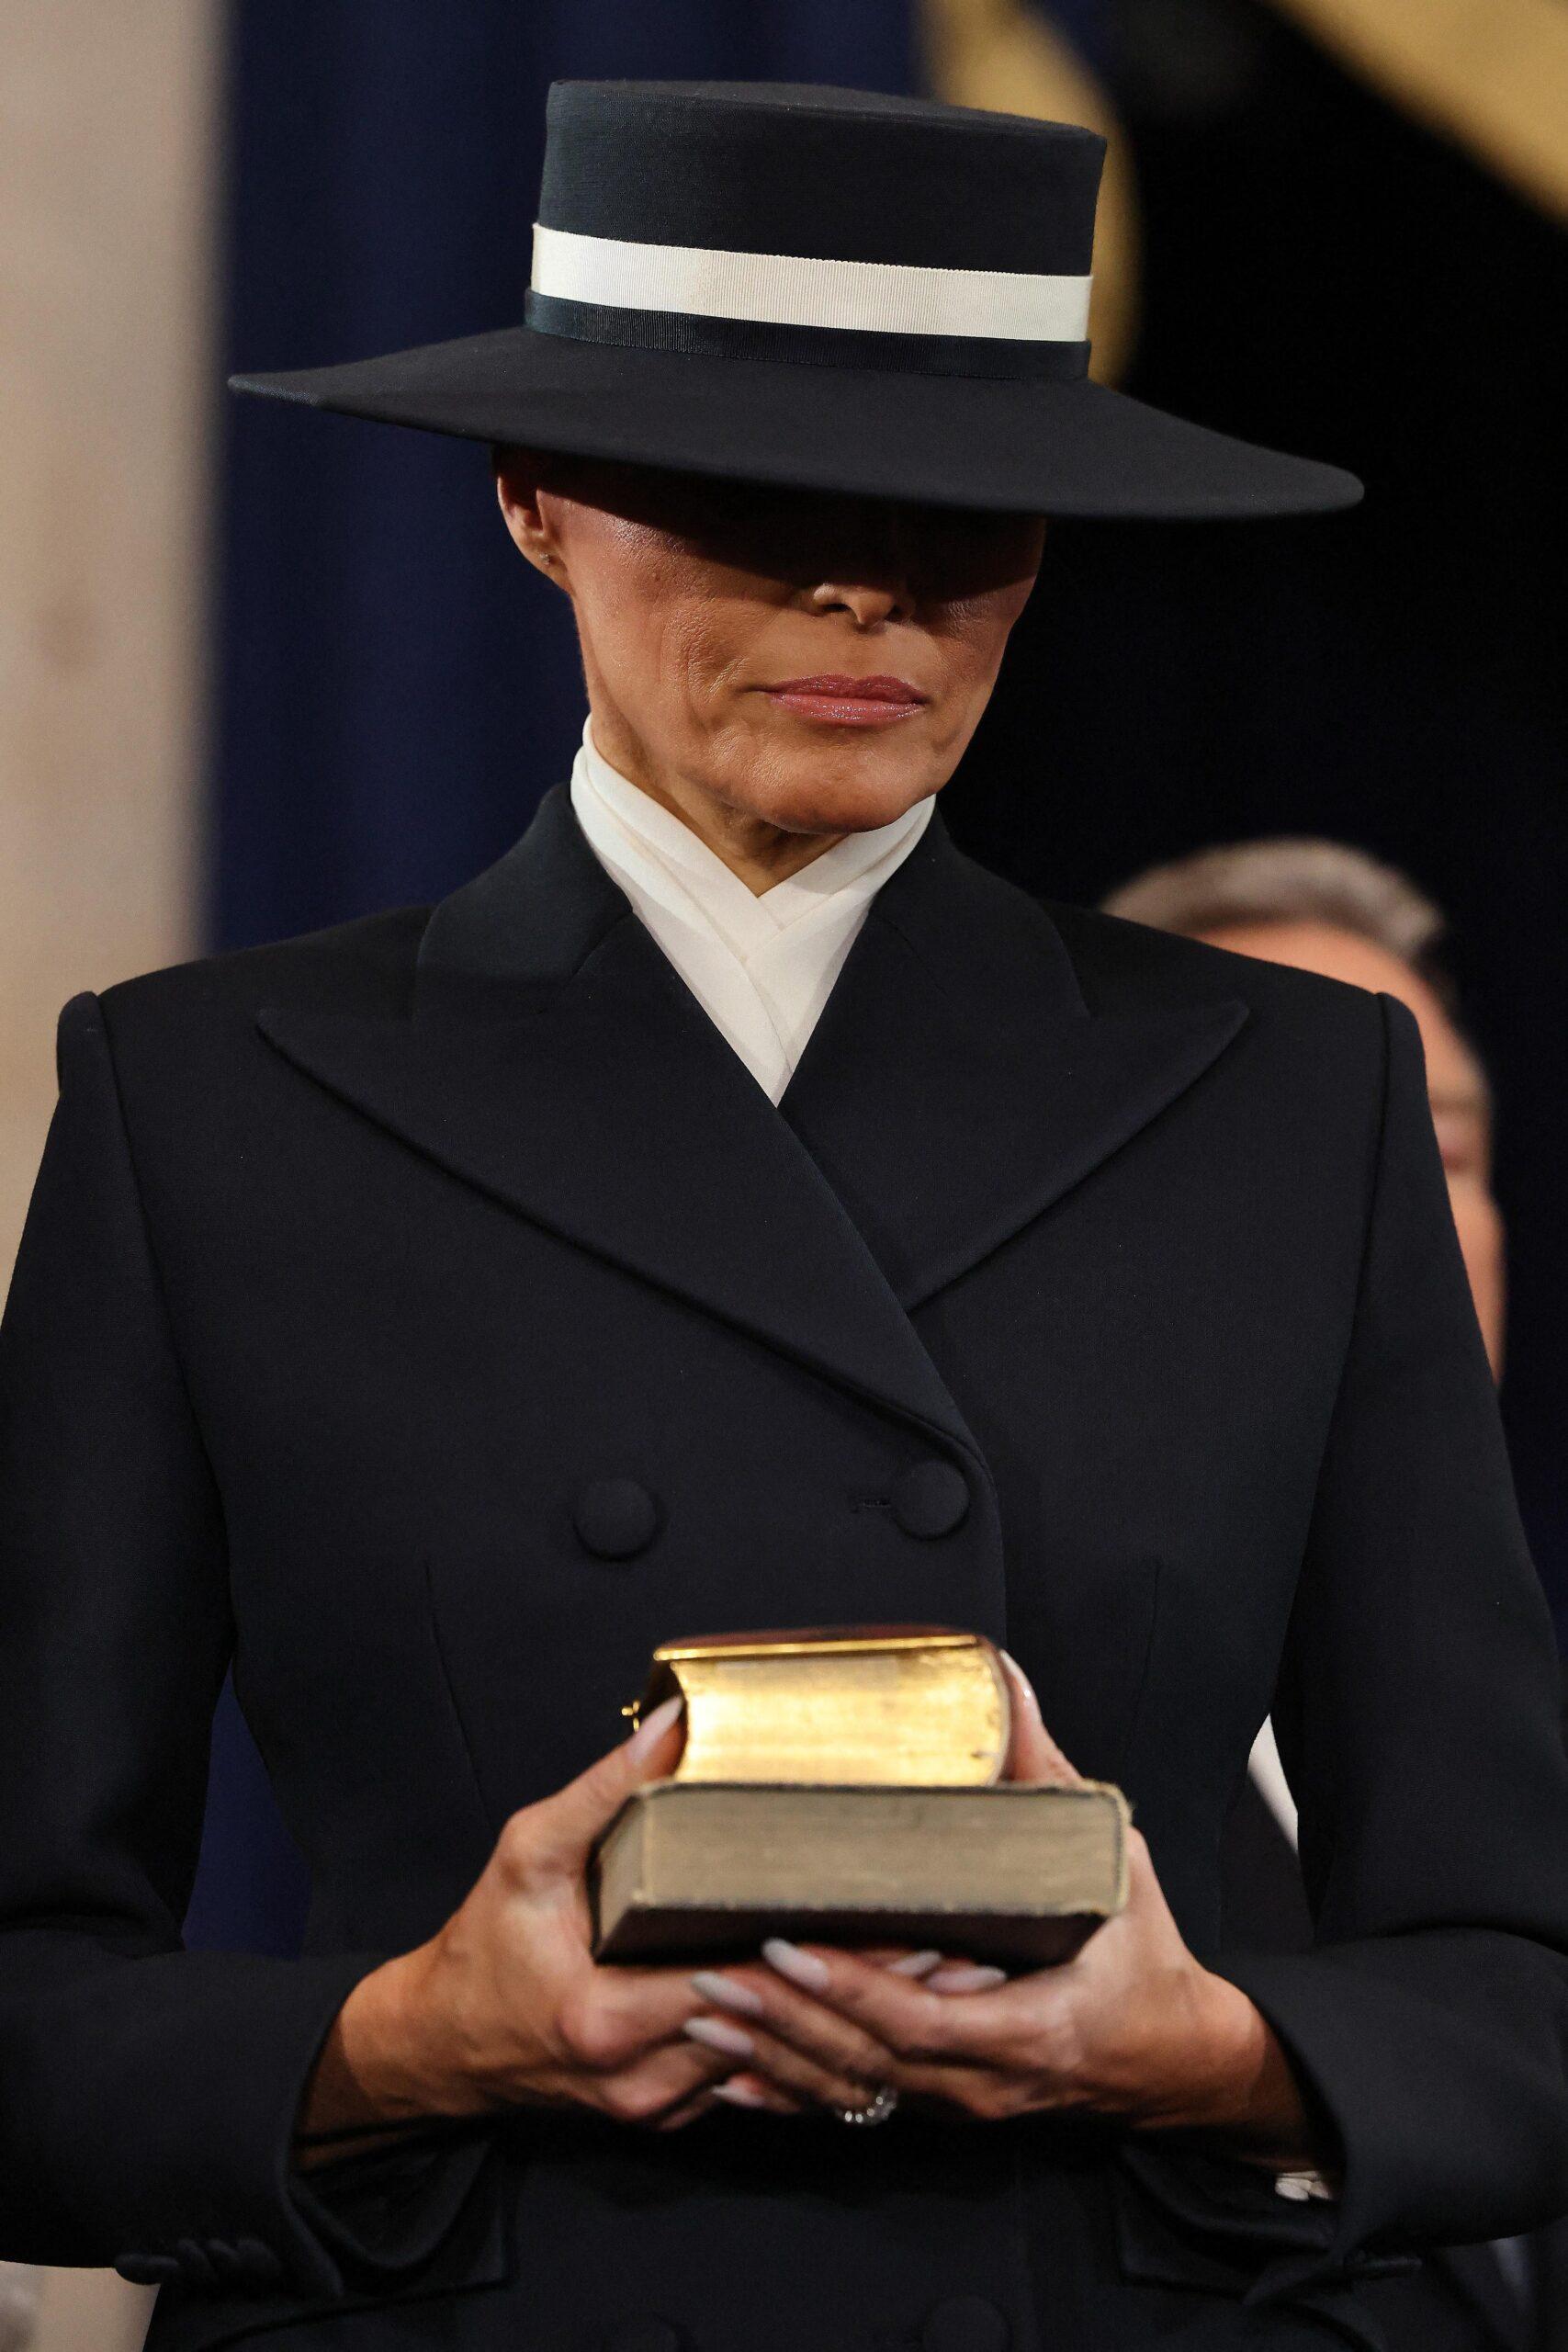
x=999 y=444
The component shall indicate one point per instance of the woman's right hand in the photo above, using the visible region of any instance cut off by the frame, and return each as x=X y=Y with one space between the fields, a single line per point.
x=505 y=2007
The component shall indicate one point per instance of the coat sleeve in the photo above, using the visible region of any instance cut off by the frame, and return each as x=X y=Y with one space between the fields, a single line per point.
x=149 y=2093
x=1418 y=1719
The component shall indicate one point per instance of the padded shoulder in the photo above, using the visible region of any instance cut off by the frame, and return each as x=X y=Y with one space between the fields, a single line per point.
x=362 y=967
x=1124 y=966
x=1325 y=1040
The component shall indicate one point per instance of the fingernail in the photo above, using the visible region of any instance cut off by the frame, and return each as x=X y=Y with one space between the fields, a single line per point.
x=965 y=1980
x=801 y=1967
x=717 y=2033
x=647 y=1734
x=726 y=1992
x=738 y=2094
x=914 y=1964
x=1025 y=1689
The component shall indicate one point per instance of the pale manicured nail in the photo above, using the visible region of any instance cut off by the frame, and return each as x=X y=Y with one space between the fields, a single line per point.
x=802 y=1968
x=726 y=1992
x=647 y=1734
x=739 y=2095
x=914 y=1964
x=1021 y=1682
x=966 y=1979
x=717 y=2033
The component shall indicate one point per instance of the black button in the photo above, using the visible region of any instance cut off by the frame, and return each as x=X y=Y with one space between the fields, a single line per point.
x=615 y=1517
x=644 y=2335
x=929 y=1498
x=966 y=2323
x=259 y=2261
x=147 y=2269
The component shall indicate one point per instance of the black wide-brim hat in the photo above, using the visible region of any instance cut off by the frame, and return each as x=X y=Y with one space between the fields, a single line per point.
x=830 y=289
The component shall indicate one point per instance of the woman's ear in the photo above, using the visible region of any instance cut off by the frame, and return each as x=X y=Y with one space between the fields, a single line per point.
x=519 y=482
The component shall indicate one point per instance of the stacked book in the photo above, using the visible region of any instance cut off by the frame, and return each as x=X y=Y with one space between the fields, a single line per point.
x=849 y=1786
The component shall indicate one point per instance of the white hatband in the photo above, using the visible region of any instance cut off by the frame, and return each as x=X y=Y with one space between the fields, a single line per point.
x=787 y=289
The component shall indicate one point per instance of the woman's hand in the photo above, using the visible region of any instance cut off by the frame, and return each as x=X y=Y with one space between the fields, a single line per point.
x=1132 y=2028
x=505 y=2007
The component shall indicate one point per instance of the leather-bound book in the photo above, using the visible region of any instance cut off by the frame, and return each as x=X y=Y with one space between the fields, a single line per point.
x=845 y=1786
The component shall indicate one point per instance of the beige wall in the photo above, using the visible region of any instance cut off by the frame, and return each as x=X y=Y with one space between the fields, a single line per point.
x=90 y=2310
x=106 y=390
x=106 y=382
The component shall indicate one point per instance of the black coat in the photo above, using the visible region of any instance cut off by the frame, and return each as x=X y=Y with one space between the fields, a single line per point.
x=359 y=1272
x=1509 y=2298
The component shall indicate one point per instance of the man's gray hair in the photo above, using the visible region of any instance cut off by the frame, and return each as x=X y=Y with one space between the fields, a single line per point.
x=1291 y=879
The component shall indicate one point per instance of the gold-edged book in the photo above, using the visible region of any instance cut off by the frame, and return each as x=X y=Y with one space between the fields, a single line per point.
x=844 y=1785
x=1014 y=1874
x=919 y=1705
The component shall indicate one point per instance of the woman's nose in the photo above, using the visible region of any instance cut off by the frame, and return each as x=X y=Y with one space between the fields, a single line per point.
x=868 y=603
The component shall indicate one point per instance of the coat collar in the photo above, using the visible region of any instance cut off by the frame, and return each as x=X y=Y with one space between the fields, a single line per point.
x=957 y=1083
x=955 y=1086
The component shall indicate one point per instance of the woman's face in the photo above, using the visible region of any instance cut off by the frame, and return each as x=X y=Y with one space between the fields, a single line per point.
x=817 y=663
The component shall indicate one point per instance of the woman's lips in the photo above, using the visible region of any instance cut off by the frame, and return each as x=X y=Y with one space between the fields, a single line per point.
x=849 y=702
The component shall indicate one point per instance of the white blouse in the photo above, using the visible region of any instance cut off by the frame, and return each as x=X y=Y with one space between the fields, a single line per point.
x=761 y=965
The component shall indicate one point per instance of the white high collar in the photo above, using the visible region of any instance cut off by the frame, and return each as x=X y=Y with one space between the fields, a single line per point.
x=761 y=965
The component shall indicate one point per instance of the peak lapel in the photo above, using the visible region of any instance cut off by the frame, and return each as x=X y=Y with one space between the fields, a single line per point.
x=957 y=1084
x=555 y=1060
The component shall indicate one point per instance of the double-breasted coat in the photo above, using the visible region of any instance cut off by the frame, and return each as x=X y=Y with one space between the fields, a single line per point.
x=431 y=1314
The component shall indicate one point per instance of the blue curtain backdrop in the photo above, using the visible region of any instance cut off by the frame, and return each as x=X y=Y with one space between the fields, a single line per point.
x=394 y=688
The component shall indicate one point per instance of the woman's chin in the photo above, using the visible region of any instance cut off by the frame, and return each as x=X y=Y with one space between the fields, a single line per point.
x=845 y=812
x=840 y=788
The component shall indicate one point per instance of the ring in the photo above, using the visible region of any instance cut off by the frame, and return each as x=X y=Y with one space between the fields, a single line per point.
x=878 y=2111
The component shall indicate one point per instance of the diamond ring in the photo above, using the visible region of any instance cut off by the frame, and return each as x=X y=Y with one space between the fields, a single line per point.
x=877 y=2111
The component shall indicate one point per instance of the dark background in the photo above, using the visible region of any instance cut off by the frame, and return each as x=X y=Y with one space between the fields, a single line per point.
x=1323 y=275
x=394 y=690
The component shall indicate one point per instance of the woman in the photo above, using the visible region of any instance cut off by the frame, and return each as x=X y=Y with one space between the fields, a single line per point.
x=434 y=1314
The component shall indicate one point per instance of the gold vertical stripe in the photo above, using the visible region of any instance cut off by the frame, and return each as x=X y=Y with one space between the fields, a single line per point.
x=1491 y=73
x=998 y=54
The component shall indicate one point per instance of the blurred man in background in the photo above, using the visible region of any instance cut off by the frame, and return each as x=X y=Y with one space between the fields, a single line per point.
x=1327 y=908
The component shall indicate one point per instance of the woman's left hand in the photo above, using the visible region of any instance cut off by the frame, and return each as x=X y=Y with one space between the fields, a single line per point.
x=1133 y=2026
